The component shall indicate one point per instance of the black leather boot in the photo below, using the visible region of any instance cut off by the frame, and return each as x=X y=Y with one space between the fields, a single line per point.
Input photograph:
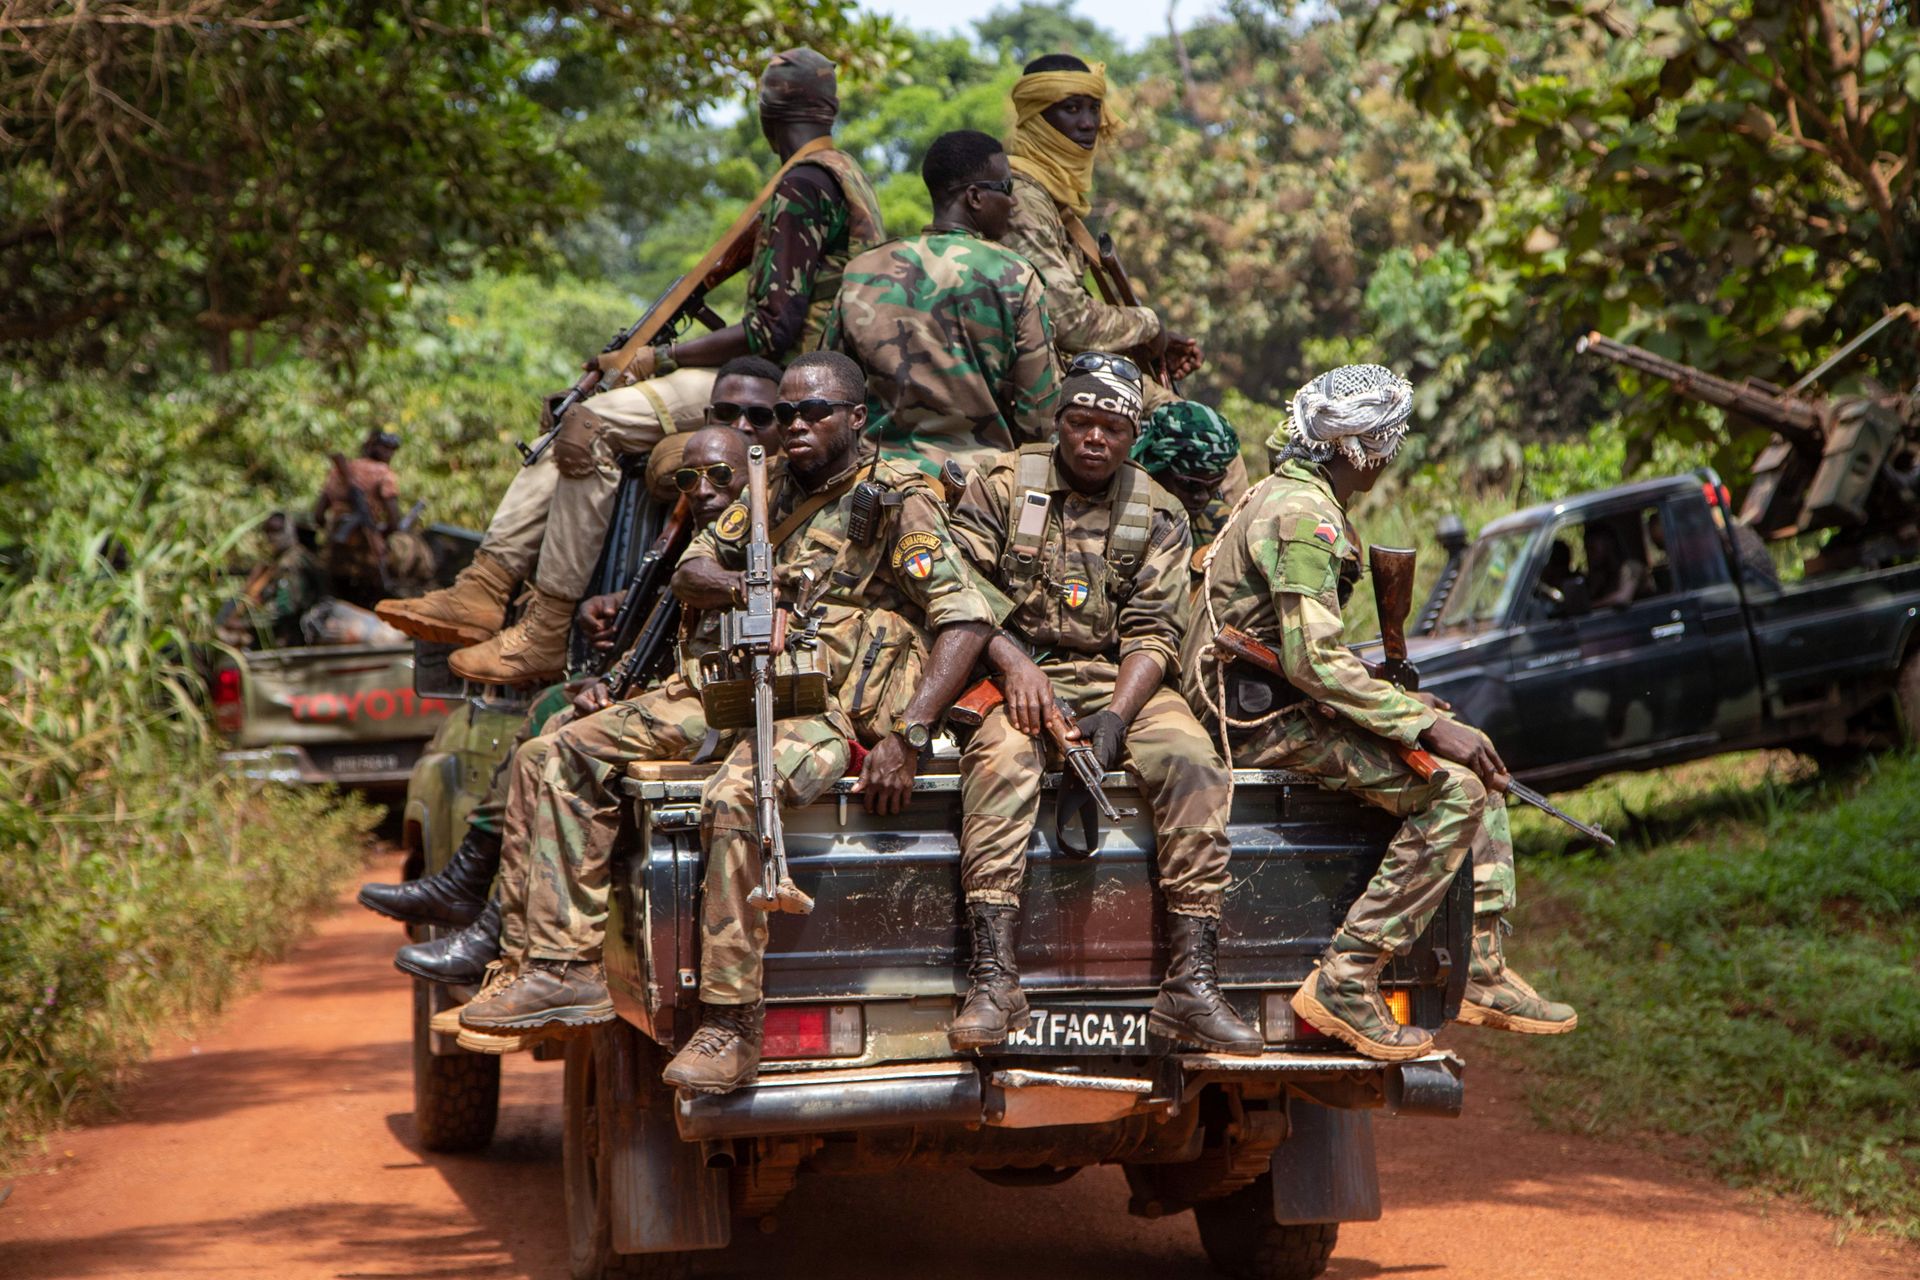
x=459 y=959
x=995 y=1006
x=1191 y=1008
x=455 y=895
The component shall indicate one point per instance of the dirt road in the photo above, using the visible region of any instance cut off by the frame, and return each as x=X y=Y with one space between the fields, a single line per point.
x=279 y=1145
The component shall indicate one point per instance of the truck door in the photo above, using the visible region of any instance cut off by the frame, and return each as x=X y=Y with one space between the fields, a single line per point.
x=1621 y=667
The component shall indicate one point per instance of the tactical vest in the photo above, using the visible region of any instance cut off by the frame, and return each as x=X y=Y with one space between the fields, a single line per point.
x=1127 y=535
x=865 y=229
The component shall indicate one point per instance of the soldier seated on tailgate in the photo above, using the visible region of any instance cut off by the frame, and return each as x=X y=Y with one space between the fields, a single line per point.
x=1093 y=556
x=366 y=553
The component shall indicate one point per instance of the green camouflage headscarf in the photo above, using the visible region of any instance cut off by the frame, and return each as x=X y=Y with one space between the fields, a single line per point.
x=799 y=85
x=1186 y=438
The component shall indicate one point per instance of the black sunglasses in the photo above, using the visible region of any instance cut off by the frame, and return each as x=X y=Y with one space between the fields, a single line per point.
x=1003 y=185
x=724 y=413
x=811 y=410
x=687 y=479
x=1096 y=361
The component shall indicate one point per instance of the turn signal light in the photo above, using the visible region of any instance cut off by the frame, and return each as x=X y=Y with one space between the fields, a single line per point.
x=228 y=714
x=814 y=1031
x=1280 y=1024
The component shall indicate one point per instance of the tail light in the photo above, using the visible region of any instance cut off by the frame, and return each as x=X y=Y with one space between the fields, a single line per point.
x=227 y=709
x=1279 y=1024
x=814 y=1031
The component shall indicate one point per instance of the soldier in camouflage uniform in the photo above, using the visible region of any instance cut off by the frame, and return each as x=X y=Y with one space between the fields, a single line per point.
x=1061 y=118
x=951 y=327
x=1097 y=575
x=821 y=213
x=1188 y=450
x=279 y=591
x=1282 y=570
x=880 y=600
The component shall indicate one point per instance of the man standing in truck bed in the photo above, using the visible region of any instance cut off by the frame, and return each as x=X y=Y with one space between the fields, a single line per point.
x=822 y=212
x=1094 y=557
x=1282 y=569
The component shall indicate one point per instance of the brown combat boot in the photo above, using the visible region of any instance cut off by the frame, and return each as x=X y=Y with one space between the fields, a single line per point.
x=1341 y=998
x=1190 y=1008
x=1498 y=997
x=570 y=993
x=995 y=1006
x=531 y=651
x=724 y=1052
x=470 y=611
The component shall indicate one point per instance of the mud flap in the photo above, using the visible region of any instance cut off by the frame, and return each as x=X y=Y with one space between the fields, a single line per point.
x=664 y=1198
x=1324 y=1171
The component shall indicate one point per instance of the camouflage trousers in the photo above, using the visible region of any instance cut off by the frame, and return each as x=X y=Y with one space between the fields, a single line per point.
x=1444 y=823
x=1167 y=751
x=562 y=520
x=550 y=709
x=809 y=753
x=564 y=810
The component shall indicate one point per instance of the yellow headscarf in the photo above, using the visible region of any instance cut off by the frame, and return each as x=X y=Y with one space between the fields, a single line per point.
x=1041 y=151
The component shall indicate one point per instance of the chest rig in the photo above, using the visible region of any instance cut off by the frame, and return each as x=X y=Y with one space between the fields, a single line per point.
x=1128 y=532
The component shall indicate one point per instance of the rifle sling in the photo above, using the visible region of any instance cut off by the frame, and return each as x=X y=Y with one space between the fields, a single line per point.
x=807 y=509
x=696 y=279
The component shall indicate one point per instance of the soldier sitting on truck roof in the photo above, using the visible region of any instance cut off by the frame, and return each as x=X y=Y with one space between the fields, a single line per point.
x=1094 y=557
x=711 y=471
x=879 y=594
x=1282 y=570
x=363 y=546
x=822 y=212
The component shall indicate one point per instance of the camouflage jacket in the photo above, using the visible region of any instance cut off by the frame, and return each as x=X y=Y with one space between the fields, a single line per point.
x=1081 y=321
x=953 y=332
x=910 y=568
x=1281 y=571
x=822 y=213
x=1076 y=602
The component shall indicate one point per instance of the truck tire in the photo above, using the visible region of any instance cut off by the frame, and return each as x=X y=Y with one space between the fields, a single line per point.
x=587 y=1175
x=1906 y=698
x=1243 y=1241
x=456 y=1096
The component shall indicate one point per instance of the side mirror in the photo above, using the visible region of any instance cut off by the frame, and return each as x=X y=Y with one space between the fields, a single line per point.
x=1451 y=532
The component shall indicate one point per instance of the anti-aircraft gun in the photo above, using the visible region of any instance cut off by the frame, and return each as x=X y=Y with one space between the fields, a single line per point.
x=1850 y=463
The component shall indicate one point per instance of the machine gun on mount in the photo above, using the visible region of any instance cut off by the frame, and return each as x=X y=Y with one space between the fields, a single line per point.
x=1850 y=463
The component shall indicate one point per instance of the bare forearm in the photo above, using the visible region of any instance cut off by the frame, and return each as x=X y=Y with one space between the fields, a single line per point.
x=955 y=649
x=1140 y=674
x=1003 y=654
x=704 y=584
x=711 y=350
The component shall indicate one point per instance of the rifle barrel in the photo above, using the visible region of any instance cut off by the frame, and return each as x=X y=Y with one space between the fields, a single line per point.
x=1793 y=418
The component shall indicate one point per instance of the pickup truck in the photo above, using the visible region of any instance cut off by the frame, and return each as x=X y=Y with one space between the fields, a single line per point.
x=346 y=714
x=1711 y=653
x=1270 y=1153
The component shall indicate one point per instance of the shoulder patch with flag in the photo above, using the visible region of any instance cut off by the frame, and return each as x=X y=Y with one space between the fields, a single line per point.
x=1326 y=533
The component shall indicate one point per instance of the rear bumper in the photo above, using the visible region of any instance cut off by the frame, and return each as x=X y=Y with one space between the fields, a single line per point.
x=376 y=764
x=970 y=1093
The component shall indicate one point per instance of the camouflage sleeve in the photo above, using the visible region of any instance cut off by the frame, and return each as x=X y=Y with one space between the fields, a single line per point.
x=1154 y=618
x=979 y=518
x=1081 y=321
x=707 y=544
x=805 y=215
x=1314 y=653
x=927 y=568
x=1035 y=374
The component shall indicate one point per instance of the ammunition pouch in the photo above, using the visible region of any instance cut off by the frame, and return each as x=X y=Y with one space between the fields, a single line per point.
x=889 y=659
x=726 y=687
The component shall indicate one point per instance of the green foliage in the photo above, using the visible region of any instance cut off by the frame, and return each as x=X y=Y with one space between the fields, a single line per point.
x=1744 y=973
x=256 y=166
x=1729 y=184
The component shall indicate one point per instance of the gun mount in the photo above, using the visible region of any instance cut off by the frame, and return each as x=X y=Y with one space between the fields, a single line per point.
x=1850 y=463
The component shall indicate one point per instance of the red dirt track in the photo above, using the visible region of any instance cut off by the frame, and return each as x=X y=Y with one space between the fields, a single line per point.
x=280 y=1144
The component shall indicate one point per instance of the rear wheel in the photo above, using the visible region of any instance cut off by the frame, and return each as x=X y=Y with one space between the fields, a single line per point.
x=586 y=1168
x=1243 y=1241
x=1906 y=698
x=456 y=1096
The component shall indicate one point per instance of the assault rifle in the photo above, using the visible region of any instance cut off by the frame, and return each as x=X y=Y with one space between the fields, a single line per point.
x=362 y=517
x=1117 y=287
x=1392 y=571
x=972 y=709
x=758 y=633
x=644 y=589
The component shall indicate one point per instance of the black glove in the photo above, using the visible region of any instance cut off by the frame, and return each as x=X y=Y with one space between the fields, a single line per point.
x=1106 y=733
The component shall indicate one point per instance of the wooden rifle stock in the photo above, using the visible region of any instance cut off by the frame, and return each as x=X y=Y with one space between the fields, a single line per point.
x=1392 y=569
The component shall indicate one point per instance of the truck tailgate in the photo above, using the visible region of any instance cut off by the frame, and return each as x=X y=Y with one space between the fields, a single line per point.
x=340 y=713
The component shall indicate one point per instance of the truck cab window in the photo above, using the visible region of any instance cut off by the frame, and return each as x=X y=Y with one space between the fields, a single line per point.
x=1487 y=581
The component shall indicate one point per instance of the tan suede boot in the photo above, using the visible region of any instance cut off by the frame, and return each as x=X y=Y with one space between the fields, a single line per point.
x=531 y=651
x=470 y=611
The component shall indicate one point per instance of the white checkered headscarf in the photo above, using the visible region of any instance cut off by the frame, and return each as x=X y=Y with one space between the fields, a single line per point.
x=1357 y=410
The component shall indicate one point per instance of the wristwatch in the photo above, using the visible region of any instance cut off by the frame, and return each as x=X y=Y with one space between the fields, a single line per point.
x=917 y=735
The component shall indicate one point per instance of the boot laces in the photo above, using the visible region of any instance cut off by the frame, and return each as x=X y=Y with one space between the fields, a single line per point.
x=723 y=1024
x=500 y=975
x=984 y=968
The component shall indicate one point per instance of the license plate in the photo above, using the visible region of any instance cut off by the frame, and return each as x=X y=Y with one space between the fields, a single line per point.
x=382 y=763
x=1081 y=1029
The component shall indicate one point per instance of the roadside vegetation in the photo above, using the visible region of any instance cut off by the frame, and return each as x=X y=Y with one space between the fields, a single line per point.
x=1745 y=967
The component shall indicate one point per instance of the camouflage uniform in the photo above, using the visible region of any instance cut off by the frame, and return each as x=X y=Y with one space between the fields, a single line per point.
x=823 y=212
x=1084 y=615
x=277 y=597
x=879 y=600
x=1282 y=573
x=952 y=330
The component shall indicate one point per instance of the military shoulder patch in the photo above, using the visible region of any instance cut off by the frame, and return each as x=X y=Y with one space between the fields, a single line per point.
x=916 y=552
x=732 y=522
x=1326 y=533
